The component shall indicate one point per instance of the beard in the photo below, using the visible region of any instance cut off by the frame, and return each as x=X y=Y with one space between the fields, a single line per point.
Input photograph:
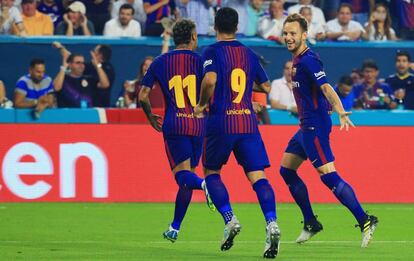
x=297 y=45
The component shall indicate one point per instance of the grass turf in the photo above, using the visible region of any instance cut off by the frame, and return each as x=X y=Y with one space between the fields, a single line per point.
x=99 y=231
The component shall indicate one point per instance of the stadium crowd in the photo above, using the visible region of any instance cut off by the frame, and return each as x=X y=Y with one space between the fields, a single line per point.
x=81 y=83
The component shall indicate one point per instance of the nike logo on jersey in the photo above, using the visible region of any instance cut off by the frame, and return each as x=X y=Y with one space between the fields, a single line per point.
x=207 y=63
x=319 y=75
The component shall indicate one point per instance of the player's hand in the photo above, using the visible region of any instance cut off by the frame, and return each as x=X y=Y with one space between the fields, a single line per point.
x=156 y=122
x=199 y=111
x=345 y=121
x=257 y=107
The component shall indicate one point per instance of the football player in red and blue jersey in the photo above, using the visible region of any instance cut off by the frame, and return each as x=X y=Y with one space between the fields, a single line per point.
x=315 y=98
x=179 y=73
x=230 y=72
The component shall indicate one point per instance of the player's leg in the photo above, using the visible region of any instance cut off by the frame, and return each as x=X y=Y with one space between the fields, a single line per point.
x=179 y=151
x=292 y=159
x=323 y=161
x=217 y=150
x=250 y=153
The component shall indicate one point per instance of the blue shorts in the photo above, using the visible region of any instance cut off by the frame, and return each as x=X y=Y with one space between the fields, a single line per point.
x=248 y=149
x=310 y=144
x=179 y=148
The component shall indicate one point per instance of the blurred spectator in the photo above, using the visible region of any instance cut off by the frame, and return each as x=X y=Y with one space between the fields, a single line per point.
x=98 y=12
x=254 y=12
x=357 y=76
x=360 y=9
x=52 y=8
x=345 y=91
x=379 y=26
x=138 y=6
x=201 y=12
x=102 y=73
x=318 y=18
x=316 y=32
x=155 y=10
x=241 y=7
x=405 y=12
x=343 y=28
x=73 y=88
x=75 y=22
x=124 y=25
x=2 y=91
x=281 y=95
x=372 y=94
x=35 y=22
x=10 y=17
x=34 y=90
x=402 y=82
x=271 y=24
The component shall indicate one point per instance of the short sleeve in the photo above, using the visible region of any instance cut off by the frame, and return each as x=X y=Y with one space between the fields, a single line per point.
x=315 y=70
x=50 y=88
x=21 y=87
x=149 y=77
x=209 y=60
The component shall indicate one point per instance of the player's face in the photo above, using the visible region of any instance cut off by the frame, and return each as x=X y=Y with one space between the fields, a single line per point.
x=402 y=64
x=344 y=15
x=77 y=66
x=345 y=89
x=37 y=72
x=293 y=36
x=125 y=16
x=370 y=75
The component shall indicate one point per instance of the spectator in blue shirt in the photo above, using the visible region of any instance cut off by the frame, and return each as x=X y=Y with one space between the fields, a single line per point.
x=52 y=8
x=372 y=94
x=345 y=91
x=34 y=90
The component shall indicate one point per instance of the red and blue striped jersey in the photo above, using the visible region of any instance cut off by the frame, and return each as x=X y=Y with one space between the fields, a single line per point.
x=179 y=73
x=237 y=68
x=308 y=76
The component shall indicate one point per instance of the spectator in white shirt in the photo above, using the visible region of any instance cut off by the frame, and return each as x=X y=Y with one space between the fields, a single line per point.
x=124 y=25
x=9 y=17
x=315 y=31
x=318 y=19
x=138 y=6
x=271 y=25
x=281 y=95
x=343 y=28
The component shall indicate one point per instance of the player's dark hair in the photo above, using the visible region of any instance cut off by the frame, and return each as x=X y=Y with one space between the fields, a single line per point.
x=106 y=52
x=72 y=57
x=345 y=5
x=226 y=20
x=36 y=61
x=369 y=64
x=126 y=7
x=182 y=31
x=299 y=19
x=346 y=79
x=403 y=53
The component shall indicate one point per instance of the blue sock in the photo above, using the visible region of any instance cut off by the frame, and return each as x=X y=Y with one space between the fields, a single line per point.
x=266 y=198
x=219 y=196
x=188 y=179
x=299 y=192
x=345 y=194
x=182 y=201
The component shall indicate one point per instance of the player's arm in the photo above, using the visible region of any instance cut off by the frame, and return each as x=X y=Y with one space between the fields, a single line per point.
x=264 y=87
x=207 y=89
x=336 y=103
x=143 y=97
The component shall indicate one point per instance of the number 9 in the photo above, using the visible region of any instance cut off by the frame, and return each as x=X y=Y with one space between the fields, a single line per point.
x=238 y=83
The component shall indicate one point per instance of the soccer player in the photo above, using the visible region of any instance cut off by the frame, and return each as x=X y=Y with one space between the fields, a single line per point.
x=178 y=72
x=230 y=69
x=315 y=97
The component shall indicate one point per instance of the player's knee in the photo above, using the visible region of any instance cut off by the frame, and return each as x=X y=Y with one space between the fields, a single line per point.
x=180 y=178
x=287 y=174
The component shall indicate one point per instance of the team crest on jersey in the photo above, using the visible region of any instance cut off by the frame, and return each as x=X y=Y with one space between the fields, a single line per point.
x=207 y=63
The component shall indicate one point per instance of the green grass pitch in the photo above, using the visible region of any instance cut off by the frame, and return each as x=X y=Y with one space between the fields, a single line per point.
x=132 y=231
